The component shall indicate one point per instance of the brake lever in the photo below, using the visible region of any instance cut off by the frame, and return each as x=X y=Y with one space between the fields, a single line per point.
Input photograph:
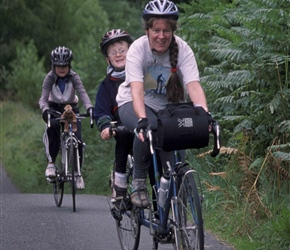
x=91 y=118
x=113 y=127
x=48 y=118
x=150 y=137
x=216 y=133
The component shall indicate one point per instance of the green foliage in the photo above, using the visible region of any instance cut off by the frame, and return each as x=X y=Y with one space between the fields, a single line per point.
x=78 y=25
x=86 y=32
x=15 y=16
x=282 y=228
x=120 y=13
x=27 y=75
x=243 y=55
x=75 y=24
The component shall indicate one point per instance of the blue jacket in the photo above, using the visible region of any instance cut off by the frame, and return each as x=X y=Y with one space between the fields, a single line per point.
x=105 y=103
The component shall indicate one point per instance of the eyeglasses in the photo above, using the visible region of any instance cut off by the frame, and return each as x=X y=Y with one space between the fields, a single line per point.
x=115 y=53
x=61 y=66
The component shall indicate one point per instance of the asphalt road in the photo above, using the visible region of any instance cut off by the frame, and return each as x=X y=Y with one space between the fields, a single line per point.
x=33 y=222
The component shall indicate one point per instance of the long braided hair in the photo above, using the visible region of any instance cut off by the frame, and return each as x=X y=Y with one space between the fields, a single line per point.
x=174 y=87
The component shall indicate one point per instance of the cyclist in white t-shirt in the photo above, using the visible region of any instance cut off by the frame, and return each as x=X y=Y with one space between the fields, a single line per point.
x=160 y=69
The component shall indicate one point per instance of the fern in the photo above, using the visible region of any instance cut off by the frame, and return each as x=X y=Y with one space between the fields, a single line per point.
x=243 y=53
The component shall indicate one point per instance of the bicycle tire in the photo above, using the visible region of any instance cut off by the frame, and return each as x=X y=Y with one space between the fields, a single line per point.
x=58 y=184
x=71 y=164
x=129 y=229
x=189 y=224
x=58 y=188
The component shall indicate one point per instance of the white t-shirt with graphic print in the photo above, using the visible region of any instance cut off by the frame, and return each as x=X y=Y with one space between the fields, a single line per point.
x=154 y=71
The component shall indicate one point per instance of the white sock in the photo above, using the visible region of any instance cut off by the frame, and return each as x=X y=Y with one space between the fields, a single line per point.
x=120 y=180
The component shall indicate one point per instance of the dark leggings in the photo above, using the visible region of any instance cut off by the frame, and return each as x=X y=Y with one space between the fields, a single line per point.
x=53 y=134
x=124 y=144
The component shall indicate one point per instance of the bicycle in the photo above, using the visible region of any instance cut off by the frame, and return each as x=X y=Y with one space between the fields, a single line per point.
x=68 y=160
x=177 y=220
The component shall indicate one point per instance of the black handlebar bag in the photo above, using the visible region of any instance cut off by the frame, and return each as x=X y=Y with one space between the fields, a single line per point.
x=182 y=126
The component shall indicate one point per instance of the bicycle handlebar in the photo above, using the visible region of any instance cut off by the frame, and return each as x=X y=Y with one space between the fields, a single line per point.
x=115 y=129
x=58 y=114
x=215 y=130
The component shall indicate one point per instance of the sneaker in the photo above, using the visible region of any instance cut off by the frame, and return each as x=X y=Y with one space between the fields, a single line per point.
x=50 y=170
x=80 y=184
x=120 y=200
x=118 y=193
x=139 y=195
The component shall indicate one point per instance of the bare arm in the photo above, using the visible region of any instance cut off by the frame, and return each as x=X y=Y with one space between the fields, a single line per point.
x=137 y=89
x=196 y=94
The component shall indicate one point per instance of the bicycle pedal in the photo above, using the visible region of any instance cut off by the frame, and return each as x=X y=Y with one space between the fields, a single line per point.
x=76 y=174
x=123 y=204
x=117 y=215
x=165 y=239
x=50 y=179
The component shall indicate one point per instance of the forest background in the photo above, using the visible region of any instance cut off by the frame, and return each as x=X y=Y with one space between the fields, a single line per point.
x=242 y=49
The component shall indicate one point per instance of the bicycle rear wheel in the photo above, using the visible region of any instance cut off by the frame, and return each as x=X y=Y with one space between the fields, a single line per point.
x=72 y=166
x=128 y=229
x=189 y=225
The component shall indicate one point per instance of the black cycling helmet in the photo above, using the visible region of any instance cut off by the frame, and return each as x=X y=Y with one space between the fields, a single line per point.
x=160 y=8
x=61 y=56
x=113 y=36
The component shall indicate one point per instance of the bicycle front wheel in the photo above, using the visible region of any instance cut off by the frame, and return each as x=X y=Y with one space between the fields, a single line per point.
x=58 y=188
x=128 y=229
x=58 y=184
x=72 y=166
x=189 y=223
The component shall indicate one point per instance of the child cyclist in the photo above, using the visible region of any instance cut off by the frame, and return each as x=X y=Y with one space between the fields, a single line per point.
x=59 y=89
x=114 y=46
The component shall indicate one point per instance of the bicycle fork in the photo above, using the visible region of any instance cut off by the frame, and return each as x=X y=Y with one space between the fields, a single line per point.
x=72 y=140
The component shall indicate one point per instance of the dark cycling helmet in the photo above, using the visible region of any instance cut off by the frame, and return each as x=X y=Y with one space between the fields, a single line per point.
x=61 y=56
x=114 y=36
x=160 y=8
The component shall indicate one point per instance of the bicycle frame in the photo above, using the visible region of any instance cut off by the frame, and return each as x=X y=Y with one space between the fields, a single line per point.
x=70 y=165
x=163 y=228
x=180 y=219
x=67 y=141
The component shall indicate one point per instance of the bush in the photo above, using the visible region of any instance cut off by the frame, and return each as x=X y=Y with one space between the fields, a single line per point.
x=27 y=75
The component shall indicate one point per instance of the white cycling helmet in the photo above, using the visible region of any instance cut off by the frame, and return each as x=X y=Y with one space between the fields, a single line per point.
x=160 y=8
